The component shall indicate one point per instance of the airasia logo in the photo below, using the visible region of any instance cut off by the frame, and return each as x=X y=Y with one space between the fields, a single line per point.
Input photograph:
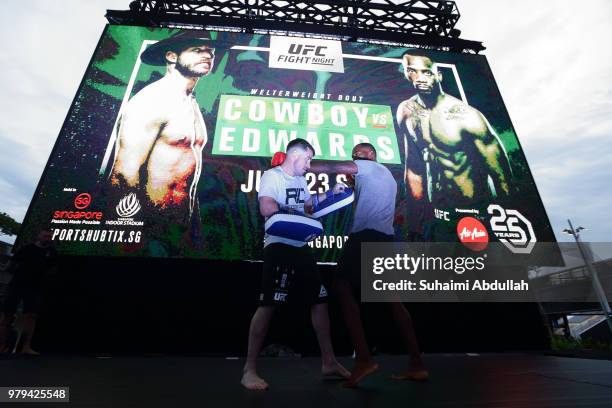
x=472 y=233
x=82 y=201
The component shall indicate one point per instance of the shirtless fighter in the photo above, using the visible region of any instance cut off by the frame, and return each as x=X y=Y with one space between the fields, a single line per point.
x=289 y=272
x=162 y=132
x=463 y=162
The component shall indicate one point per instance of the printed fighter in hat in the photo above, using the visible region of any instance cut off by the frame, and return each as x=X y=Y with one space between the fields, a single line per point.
x=290 y=272
x=454 y=157
x=162 y=133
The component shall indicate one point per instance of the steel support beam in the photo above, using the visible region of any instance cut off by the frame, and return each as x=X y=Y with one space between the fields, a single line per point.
x=421 y=23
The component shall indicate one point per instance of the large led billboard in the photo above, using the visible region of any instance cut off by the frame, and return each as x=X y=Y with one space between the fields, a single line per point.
x=162 y=150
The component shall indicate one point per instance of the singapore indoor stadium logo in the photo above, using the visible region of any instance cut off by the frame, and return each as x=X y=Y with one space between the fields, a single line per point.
x=128 y=206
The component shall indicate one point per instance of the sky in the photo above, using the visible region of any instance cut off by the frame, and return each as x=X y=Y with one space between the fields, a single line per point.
x=550 y=60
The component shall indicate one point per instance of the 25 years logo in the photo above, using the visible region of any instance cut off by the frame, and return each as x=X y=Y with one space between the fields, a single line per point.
x=512 y=229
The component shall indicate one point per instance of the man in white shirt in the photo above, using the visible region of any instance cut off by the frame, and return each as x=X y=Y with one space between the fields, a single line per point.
x=290 y=272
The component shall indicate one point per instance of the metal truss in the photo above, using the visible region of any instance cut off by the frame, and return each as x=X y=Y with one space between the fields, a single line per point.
x=423 y=23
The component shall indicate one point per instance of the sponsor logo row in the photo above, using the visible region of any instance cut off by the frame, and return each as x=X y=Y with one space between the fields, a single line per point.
x=509 y=226
x=126 y=209
x=83 y=217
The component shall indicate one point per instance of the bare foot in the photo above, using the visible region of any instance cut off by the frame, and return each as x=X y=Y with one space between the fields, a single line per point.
x=411 y=375
x=335 y=370
x=251 y=381
x=360 y=371
x=28 y=350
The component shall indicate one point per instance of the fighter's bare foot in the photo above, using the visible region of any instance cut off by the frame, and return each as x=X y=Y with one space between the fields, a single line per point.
x=29 y=351
x=252 y=381
x=411 y=375
x=360 y=371
x=335 y=370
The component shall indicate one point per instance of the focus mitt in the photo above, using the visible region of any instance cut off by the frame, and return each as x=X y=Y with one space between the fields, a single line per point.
x=332 y=202
x=294 y=226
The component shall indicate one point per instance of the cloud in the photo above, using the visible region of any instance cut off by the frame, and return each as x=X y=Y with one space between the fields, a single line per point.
x=556 y=80
x=46 y=49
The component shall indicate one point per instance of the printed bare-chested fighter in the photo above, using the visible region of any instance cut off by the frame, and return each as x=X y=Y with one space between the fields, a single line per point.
x=459 y=148
x=162 y=131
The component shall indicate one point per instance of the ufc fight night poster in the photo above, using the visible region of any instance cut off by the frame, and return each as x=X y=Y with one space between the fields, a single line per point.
x=141 y=168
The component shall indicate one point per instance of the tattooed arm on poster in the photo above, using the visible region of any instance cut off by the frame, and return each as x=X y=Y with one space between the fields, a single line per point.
x=493 y=156
x=413 y=177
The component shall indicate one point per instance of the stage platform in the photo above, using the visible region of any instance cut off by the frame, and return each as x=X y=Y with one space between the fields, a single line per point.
x=457 y=380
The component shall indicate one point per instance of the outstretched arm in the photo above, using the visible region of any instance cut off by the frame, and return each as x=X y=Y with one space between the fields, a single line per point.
x=337 y=167
x=328 y=166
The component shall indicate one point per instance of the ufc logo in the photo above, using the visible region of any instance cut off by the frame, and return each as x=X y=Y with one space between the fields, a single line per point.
x=441 y=215
x=306 y=49
x=294 y=194
x=280 y=297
